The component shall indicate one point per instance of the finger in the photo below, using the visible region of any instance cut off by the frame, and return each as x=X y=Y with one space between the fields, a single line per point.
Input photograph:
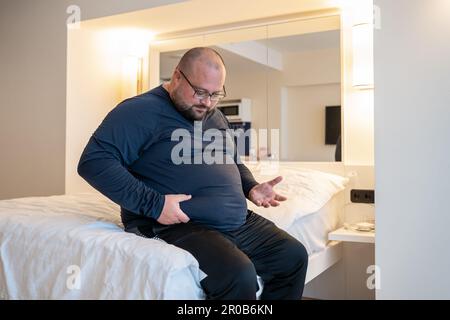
x=266 y=204
x=258 y=203
x=183 y=197
x=176 y=221
x=182 y=216
x=279 y=197
x=275 y=181
x=274 y=203
x=170 y=221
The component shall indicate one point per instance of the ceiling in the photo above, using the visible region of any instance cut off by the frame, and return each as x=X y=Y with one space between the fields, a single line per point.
x=283 y=45
x=198 y=14
x=305 y=42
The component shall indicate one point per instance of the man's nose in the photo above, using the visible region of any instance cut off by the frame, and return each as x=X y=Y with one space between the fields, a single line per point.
x=207 y=101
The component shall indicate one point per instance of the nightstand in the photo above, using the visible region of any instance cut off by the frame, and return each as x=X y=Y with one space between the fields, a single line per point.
x=343 y=234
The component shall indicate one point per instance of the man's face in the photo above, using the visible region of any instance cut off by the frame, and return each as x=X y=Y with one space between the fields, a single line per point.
x=202 y=78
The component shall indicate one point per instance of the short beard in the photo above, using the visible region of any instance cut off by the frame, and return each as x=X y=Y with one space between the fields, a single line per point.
x=186 y=110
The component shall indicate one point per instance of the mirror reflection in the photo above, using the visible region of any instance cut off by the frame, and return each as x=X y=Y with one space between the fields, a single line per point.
x=290 y=83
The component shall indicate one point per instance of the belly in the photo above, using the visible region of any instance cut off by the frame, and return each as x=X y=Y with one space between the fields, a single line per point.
x=217 y=196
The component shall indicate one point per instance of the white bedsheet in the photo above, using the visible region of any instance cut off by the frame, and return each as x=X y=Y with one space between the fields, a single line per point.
x=44 y=239
x=41 y=238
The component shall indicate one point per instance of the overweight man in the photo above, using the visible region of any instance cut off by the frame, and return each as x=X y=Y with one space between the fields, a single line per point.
x=200 y=206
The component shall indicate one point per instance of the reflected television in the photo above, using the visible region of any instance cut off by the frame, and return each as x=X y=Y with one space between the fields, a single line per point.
x=332 y=124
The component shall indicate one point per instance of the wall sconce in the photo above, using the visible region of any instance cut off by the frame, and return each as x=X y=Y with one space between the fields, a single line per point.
x=362 y=49
x=131 y=77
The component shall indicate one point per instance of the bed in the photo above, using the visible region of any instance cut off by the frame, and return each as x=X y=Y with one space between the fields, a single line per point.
x=74 y=246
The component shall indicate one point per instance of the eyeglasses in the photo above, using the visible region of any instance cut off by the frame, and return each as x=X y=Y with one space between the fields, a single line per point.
x=202 y=94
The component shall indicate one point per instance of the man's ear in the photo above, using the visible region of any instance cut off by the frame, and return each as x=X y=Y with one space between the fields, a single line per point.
x=176 y=75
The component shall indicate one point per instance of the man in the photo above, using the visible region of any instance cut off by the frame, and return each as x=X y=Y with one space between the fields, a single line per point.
x=198 y=207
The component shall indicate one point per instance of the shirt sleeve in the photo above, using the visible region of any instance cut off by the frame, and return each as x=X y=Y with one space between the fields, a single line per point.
x=247 y=179
x=113 y=147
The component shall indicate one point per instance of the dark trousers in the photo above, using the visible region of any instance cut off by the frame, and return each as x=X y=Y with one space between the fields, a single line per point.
x=232 y=260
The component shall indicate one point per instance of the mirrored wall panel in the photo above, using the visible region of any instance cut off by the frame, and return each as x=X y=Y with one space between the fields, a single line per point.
x=284 y=77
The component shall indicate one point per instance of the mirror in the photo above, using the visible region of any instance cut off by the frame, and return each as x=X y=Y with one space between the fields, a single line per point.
x=289 y=77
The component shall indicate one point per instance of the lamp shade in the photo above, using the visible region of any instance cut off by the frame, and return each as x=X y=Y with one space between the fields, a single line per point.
x=362 y=49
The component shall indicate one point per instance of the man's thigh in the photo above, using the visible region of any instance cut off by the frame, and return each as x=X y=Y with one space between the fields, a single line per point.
x=216 y=254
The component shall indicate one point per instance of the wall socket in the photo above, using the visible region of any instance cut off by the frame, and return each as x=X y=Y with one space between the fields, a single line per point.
x=362 y=196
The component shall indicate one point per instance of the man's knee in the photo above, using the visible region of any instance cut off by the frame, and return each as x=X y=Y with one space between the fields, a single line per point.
x=236 y=281
x=296 y=254
x=244 y=275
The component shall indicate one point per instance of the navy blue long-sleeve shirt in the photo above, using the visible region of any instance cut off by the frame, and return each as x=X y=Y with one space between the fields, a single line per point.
x=129 y=160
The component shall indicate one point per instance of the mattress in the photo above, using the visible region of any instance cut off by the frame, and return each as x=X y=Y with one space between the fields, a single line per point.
x=74 y=247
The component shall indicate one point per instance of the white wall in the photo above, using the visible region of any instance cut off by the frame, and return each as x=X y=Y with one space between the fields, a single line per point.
x=312 y=80
x=313 y=67
x=32 y=98
x=33 y=38
x=93 y=74
x=252 y=83
x=303 y=122
x=358 y=131
x=412 y=132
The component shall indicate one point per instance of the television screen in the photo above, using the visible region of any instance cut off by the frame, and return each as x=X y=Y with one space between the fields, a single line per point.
x=332 y=124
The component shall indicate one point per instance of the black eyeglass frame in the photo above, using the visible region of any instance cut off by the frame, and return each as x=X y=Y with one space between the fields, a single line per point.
x=202 y=94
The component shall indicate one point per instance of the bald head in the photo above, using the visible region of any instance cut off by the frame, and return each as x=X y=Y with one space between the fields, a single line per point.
x=201 y=56
x=198 y=78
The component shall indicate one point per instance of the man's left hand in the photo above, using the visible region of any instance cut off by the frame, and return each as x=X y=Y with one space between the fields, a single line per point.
x=264 y=195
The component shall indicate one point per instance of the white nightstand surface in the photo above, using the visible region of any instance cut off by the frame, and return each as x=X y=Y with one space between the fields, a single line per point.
x=343 y=234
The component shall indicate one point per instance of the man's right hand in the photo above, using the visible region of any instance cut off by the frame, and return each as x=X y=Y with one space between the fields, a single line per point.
x=171 y=212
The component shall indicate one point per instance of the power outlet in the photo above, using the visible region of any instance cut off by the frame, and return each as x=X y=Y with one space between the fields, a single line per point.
x=362 y=196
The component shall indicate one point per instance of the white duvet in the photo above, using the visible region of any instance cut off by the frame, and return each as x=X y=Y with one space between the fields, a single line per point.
x=74 y=246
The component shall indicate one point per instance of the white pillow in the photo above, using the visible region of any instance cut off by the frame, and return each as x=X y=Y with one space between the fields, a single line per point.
x=307 y=191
